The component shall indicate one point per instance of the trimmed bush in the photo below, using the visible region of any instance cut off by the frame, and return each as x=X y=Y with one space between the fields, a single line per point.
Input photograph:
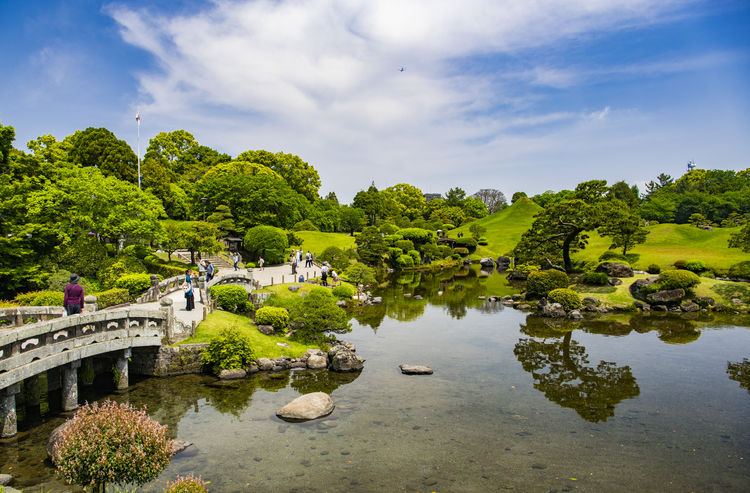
x=267 y=242
x=445 y=251
x=335 y=256
x=48 y=298
x=230 y=350
x=404 y=261
x=124 y=265
x=610 y=255
x=155 y=266
x=482 y=242
x=696 y=266
x=111 y=444
x=466 y=242
x=134 y=283
x=653 y=269
x=229 y=297
x=112 y=297
x=344 y=292
x=390 y=240
x=595 y=278
x=740 y=270
x=677 y=279
x=680 y=264
x=187 y=484
x=305 y=225
x=359 y=273
x=404 y=245
x=461 y=251
x=418 y=236
x=540 y=283
x=138 y=251
x=388 y=228
x=569 y=299
x=316 y=315
x=271 y=315
x=415 y=256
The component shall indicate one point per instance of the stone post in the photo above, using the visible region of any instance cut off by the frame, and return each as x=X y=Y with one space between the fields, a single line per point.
x=54 y=394
x=166 y=306
x=70 y=386
x=121 y=367
x=8 y=418
x=89 y=303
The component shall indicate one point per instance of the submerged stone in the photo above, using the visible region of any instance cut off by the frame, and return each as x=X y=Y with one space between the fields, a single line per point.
x=307 y=407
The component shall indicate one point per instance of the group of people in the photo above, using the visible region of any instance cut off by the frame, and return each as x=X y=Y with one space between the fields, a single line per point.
x=206 y=268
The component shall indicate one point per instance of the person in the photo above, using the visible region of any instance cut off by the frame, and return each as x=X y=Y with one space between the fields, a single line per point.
x=201 y=266
x=308 y=259
x=294 y=264
x=260 y=262
x=73 y=298
x=236 y=260
x=334 y=278
x=187 y=287
x=324 y=274
x=210 y=270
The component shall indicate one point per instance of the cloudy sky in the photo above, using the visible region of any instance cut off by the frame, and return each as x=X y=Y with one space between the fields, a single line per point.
x=525 y=95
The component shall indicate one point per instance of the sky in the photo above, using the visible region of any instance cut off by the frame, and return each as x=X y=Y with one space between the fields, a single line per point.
x=517 y=95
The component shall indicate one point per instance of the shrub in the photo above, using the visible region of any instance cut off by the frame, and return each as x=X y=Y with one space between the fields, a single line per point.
x=679 y=264
x=418 y=236
x=431 y=250
x=187 y=484
x=229 y=297
x=482 y=241
x=344 y=291
x=316 y=315
x=540 y=283
x=85 y=256
x=448 y=227
x=696 y=266
x=230 y=350
x=267 y=242
x=359 y=273
x=134 y=283
x=388 y=228
x=61 y=278
x=740 y=270
x=138 y=251
x=111 y=443
x=111 y=297
x=156 y=266
x=390 y=240
x=48 y=298
x=595 y=278
x=610 y=255
x=677 y=279
x=124 y=265
x=568 y=298
x=653 y=269
x=335 y=256
x=416 y=258
x=466 y=242
x=305 y=225
x=445 y=251
x=271 y=315
x=404 y=260
x=461 y=251
x=404 y=245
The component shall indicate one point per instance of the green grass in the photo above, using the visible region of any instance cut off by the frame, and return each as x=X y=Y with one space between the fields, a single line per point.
x=263 y=346
x=316 y=241
x=282 y=290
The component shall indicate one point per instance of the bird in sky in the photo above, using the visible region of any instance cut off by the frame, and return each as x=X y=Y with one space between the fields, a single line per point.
x=401 y=69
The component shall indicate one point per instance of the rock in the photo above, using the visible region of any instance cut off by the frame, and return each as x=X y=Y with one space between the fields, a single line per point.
x=659 y=308
x=575 y=315
x=5 y=479
x=522 y=306
x=298 y=364
x=418 y=297
x=613 y=281
x=666 y=297
x=377 y=300
x=179 y=446
x=253 y=369
x=553 y=310
x=588 y=300
x=503 y=263
x=346 y=361
x=266 y=329
x=615 y=269
x=265 y=364
x=316 y=362
x=315 y=351
x=307 y=407
x=466 y=261
x=639 y=289
x=704 y=301
x=235 y=374
x=341 y=303
x=689 y=307
x=294 y=288
x=705 y=227
x=620 y=308
x=735 y=301
x=415 y=369
x=481 y=297
x=282 y=344
x=407 y=295
x=644 y=307
x=487 y=262
x=517 y=275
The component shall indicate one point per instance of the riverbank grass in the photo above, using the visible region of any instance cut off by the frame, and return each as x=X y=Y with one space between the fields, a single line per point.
x=263 y=346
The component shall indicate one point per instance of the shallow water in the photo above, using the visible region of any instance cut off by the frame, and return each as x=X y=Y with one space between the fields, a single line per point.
x=516 y=402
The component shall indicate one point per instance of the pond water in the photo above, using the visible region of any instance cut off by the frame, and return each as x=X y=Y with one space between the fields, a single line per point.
x=626 y=403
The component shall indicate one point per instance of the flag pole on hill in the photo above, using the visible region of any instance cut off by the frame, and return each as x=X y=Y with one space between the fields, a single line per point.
x=138 y=119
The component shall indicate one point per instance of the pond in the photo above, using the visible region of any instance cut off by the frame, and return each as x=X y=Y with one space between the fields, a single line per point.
x=623 y=403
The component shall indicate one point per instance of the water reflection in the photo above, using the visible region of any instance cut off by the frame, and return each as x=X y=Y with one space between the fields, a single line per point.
x=740 y=372
x=562 y=371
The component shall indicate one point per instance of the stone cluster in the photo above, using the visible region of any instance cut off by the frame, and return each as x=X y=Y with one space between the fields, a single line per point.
x=341 y=358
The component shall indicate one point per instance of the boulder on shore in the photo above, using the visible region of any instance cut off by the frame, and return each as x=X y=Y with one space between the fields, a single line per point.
x=266 y=330
x=415 y=369
x=487 y=262
x=666 y=297
x=553 y=310
x=640 y=288
x=615 y=269
x=307 y=407
x=235 y=374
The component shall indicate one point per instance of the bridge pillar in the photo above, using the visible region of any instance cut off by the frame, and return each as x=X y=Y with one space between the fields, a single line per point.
x=54 y=394
x=70 y=386
x=121 y=368
x=8 y=418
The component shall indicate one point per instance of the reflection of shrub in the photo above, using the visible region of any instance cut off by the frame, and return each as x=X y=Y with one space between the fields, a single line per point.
x=111 y=297
x=187 y=484
x=595 y=278
x=271 y=315
x=230 y=297
x=653 y=269
x=695 y=266
x=230 y=350
x=539 y=283
x=677 y=279
x=568 y=298
x=111 y=443
x=134 y=283
x=344 y=292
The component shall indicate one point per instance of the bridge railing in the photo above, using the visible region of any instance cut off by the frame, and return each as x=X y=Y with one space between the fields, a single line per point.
x=22 y=315
x=160 y=289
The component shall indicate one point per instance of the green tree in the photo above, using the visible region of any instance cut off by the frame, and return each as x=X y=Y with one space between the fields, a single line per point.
x=474 y=207
x=316 y=316
x=267 y=242
x=625 y=193
x=172 y=239
x=477 y=230
x=302 y=177
x=99 y=147
x=409 y=200
x=7 y=136
x=370 y=246
x=516 y=196
x=200 y=237
x=223 y=219
x=371 y=202
x=455 y=197
x=623 y=225
x=352 y=219
x=741 y=239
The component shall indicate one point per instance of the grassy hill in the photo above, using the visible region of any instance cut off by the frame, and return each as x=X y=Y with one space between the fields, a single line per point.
x=316 y=241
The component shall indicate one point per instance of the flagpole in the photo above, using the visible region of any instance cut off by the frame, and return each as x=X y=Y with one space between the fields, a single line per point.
x=138 y=119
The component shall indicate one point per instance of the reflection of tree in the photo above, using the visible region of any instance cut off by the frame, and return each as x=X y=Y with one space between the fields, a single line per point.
x=672 y=329
x=231 y=396
x=371 y=316
x=561 y=370
x=272 y=381
x=740 y=372
x=321 y=380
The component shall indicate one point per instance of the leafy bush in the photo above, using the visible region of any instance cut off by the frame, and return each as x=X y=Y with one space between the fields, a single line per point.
x=138 y=251
x=48 y=298
x=122 y=266
x=111 y=443
x=680 y=264
x=569 y=299
x=390 y=240
x=388 y=228
x=316 y=315
x=431 y=250
x=267 y=242
x=418 y=236
x=230 y=350
x=677 y=279
x=653 y=269
x=445 y=251
x=154 y=265
x=344 y=291
x=112 y=297
x=271 y=315
x=461 y=251
x=482 y=241
x=611 y=255
x=415 y=256
x=61 y=278
x=467 y=242
x=404 y=245
x=229 y=297
x=85 y=256
x=696 y=266
x=740 y=270
x=305 y=225
x=404 y=261
x=540 y=283
x=595 y=278
x=359 y=273
x=448 y=227
x=187 y=484
x=336 y=257
x=134 y=283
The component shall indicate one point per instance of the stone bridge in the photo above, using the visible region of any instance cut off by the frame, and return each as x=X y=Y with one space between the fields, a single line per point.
x=57 y=347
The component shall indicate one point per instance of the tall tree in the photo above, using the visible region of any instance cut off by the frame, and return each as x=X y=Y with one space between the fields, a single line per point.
x=300 y=175
x=455 y=197
x=493 y=198
x=623 y=225
x=100 y=148
x=409 y=200
x=370 y=246
x=371 y=202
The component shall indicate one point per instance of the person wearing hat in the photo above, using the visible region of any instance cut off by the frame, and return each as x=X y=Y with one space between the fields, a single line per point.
x=73 y=299
x=324 y=274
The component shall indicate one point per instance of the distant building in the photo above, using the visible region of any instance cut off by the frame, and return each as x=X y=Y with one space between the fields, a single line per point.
x=432 y=196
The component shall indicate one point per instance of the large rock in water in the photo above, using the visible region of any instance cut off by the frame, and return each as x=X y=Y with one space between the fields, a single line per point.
x=53 y=438
x=667 y=297
x=503 y=263
x=614 y=269
x=487 y=262
x=553 y=310
x=307 y=407
x=342 y=358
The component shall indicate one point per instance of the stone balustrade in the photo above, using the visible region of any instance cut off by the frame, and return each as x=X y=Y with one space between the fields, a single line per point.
x=160 y=289
x=22 y=315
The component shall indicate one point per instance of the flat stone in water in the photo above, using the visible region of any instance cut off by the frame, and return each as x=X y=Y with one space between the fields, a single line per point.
x=415 y=369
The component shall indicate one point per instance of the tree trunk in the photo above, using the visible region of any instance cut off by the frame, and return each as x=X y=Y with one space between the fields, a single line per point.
x=566 y=250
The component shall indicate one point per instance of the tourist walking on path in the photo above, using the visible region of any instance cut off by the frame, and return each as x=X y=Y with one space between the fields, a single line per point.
x=187 y=287
x=210 y=270
x=294 y=264
x=201 y=266
x=236 y=260
x=260 y=262
x=308 y=259
x=324 y=274
x=73 y=298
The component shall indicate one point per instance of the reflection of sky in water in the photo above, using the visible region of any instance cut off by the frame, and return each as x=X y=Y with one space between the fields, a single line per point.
x=478 y=423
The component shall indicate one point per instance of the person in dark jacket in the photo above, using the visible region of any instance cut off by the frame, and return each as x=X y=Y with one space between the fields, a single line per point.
x=73 y=299
x=187 y=287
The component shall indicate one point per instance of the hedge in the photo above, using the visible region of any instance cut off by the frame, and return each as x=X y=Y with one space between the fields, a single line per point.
x=134 y=283
x=404 y=245
x=344 y=291
x=568 y=298
x=112 y=297
x=229 y=297
x=540 y=283
x=467 y=242
x=595 y=278
x=416 y=235
x=271 y=315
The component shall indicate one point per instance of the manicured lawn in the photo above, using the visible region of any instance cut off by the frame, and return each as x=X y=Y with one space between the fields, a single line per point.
x=263 y=346
x=316 y=242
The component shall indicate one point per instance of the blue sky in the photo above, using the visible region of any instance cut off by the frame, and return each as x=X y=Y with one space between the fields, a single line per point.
x=514 y=95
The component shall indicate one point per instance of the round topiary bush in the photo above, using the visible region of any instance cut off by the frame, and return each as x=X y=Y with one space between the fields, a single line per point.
x=540 y=283
x=567 y=298
x=134 y=283
x=229 y=297
x=404 y=261
x=594 y=278
x=653 y=269
x=344 y=291
x=111 y=443
x=677 y=279
x=277 y=317
x=187 y=484
x=679 y=264
x=404 y=245
x=230 y=350
x=267 y=242
x=696 y=266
